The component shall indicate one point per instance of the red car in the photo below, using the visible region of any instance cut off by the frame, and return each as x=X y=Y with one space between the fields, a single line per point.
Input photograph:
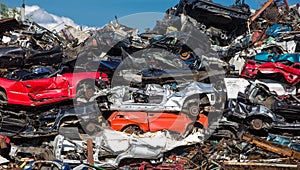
x=45 y=87
x=136 y=121
x=278 y=71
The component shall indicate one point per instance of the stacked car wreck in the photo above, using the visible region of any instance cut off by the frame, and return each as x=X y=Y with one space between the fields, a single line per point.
x=210 y=87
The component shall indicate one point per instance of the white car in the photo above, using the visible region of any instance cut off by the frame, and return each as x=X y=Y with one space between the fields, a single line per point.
x=190 y=97
x=235 y=85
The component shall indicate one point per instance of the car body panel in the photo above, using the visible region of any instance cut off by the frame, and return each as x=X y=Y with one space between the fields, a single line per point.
x=290 y=74
x=11 y=56
x=20 y=57
x=217 y=21
x=259 y=103
x=287 y=106
x=41 y=122
x=172 y=121
x=46 y=90
x=235 y=85
x=154 y=121
x=170 y=99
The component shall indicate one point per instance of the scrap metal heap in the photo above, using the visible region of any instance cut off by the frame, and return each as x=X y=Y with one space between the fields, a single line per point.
x=210 y=87
x=221 y=23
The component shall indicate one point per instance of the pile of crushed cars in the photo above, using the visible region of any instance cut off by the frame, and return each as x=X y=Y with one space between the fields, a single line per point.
x=210 y=87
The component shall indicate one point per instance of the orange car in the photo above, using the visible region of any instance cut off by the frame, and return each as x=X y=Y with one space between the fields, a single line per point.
x=136 y=121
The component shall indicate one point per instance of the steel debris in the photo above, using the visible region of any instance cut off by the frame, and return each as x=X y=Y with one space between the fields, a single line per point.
x=209 y=87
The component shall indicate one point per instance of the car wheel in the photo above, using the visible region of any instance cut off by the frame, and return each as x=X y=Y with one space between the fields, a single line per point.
x=132 y=129
x=85 y=91
x=194 y=106
x=256 y=124
x=260 y=123
x=3 y=97
x=193 y=109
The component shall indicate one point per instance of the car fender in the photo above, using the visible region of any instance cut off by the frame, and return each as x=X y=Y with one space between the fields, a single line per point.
x=261 y=110
x=203 y=120
x=118 y=121
x=192 y=89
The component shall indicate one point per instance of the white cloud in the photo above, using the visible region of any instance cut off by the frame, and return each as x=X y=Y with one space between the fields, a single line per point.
x=29 y=9
x=41 y=16
x=47 y=20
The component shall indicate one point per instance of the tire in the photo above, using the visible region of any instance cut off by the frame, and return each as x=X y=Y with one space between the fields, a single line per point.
x=3 y=97
x=194 y=109
x=185 y=56
x=256 y=124
x=132 y=129
x=259 y=123
x=193 y=106
x=85 y=91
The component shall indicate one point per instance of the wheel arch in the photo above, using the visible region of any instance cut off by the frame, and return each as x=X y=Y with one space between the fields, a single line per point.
x=132 y=124
x=87 y=80
x=192 y=99
x=264 y=119
x=259 y=116
x=195 y=96
x=199 y=95
x=4 y=91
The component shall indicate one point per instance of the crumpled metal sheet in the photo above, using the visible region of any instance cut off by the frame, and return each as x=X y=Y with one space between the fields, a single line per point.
x=263 y=38
x=260 y=108
x=280 y=150
x=8 y=24
x=27 y=44
x=74 y=35
x=42 y=153
x=124 y=146
x=290 y=73
x=220 y=22
x=121 y=96
x=236 y=85
x=285 y=141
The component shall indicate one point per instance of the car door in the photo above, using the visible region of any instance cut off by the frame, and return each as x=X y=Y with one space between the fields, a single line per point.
x=173 y=121
x=47 y=88
x=37 y=87
x=61 y=85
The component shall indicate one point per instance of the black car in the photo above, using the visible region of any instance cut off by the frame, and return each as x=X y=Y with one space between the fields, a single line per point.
x=260 y=109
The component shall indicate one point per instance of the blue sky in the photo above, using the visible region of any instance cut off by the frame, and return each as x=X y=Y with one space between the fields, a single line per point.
x=99 y=12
